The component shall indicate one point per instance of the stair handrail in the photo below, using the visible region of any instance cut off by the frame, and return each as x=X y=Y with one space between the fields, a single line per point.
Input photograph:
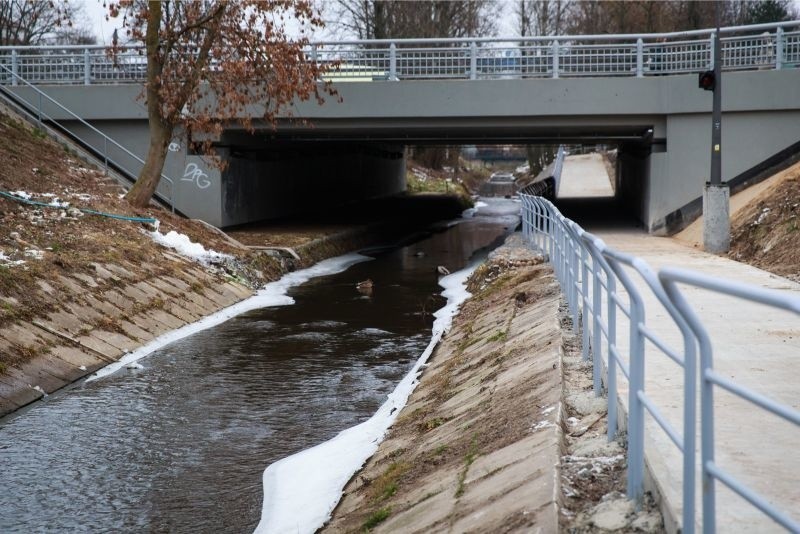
x=106 y=139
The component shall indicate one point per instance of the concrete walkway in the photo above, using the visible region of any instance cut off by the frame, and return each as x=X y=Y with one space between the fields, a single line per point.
x=756 y=346
x=584 y=176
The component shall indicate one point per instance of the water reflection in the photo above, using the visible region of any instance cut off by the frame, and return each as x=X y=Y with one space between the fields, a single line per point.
x=181 y=444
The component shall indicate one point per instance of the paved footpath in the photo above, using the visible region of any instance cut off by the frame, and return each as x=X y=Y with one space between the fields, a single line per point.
x=758 y=347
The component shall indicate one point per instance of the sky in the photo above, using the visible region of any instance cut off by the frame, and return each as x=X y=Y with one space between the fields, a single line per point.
x=96 y=16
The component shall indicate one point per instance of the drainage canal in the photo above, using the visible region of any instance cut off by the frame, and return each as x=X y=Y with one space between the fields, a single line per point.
x=181 y=444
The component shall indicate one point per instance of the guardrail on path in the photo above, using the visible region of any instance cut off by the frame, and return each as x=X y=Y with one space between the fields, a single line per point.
x=591 y=273
x=760 y=46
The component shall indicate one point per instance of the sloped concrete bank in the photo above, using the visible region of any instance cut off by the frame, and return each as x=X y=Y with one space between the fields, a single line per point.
x=503 y=432
x=94 y=320
x=478 y=444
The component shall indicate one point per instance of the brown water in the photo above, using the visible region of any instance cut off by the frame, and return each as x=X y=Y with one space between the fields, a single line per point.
x=181 y=444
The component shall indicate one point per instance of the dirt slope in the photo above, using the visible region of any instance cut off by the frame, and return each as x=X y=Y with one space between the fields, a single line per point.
x=766 y=233
x=764 y=227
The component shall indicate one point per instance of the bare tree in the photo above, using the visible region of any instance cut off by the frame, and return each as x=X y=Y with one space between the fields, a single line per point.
x=32 y=22
x=212 y=62
x=542 y=17
x=398 y=19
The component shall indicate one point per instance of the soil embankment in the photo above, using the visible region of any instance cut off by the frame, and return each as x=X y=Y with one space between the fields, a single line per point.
x=765 y=231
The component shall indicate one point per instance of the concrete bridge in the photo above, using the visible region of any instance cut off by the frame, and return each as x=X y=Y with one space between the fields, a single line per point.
x=638 y=92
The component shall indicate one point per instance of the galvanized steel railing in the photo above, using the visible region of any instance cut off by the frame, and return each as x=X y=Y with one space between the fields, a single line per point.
x=36 y=111
x=590 y=273
x=762 y=46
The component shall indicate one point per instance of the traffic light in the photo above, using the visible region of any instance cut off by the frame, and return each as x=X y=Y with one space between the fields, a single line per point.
x=707 y=81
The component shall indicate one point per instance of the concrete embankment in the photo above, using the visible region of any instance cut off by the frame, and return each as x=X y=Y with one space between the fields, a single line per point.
x=477 y=445
x=92 y=319
x=78 y=320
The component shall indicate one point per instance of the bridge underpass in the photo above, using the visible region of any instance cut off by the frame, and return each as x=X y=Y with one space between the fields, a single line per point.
x=568 y=93
x=333 y=161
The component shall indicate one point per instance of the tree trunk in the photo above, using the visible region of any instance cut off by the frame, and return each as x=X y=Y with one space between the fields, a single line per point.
x=160 y=131
x=142 y=191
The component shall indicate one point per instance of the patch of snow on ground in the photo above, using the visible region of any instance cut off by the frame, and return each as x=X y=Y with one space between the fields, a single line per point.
x=301 y=491
x=186 y=247
x=470 y=212
x=272 y=294
x=34 y=253
x=22 y=194
x=542 y=424
x=8 y=262
x=420 y=174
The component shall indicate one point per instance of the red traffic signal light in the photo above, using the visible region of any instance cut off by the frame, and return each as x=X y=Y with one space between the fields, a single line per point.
x=707 y=81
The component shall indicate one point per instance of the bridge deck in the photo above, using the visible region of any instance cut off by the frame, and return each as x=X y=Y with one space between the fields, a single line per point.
x=756 y=346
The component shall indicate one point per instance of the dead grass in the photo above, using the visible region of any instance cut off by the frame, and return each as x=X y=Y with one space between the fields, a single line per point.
x=70 y=245
x=767 y=233
x=445 y=439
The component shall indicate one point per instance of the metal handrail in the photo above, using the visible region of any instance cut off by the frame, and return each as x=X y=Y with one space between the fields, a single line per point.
x=773 y=45
x=711 y=471
x=40 y=115
x=584 y=264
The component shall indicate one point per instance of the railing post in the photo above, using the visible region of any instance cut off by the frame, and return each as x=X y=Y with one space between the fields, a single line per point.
x=555 y=58
x=639 y=58
x=779 y=49
x=611 y=380
x=473 y=61
x=392 y=62
x=575 y=261
x=597 y=349
x=87 y=67
x=711 y=51
x=584 y=300
x=14 y=67
x=635 y=408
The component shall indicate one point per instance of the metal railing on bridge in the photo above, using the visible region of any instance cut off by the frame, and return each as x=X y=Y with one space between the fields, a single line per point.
x=763 y=46
x=591 y=276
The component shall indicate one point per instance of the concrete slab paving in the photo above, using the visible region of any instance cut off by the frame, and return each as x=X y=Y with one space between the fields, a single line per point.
x=584 y=176
x=124 y=343
x=756 y=346
x=100 y=346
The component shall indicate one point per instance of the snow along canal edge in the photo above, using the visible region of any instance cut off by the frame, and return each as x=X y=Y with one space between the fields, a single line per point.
x=301 y=491
x=272 y=294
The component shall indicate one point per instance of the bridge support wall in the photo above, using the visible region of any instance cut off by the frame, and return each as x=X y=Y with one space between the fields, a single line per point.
x=269 y=183
x=671 y=195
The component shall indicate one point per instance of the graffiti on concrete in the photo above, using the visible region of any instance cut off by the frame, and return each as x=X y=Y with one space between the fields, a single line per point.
x=193 y=173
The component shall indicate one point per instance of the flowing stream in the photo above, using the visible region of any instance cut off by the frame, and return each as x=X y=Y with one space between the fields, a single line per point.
x=181 y=444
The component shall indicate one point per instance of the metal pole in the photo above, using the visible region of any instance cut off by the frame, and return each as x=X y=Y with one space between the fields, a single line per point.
x=716 y=195
x=392 y=62
x=87 y=67
x=639 y=58
x=716 y=113
x=14 y=67
x=555 y=58
x=473 y=61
